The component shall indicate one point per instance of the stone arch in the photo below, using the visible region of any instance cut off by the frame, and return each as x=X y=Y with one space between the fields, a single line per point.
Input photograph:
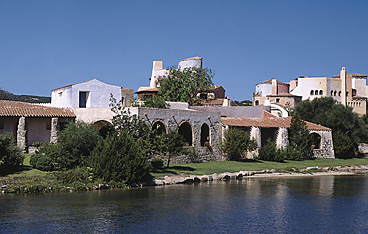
x=104 y=128
x=316 y=140
x=185 y=129
x=205 y=134
x=159 y=126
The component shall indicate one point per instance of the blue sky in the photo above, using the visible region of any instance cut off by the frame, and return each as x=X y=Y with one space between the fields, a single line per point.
x=49 y=44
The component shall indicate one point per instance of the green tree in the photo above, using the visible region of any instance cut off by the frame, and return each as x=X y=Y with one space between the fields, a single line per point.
x=269 y=152
x=236 y=143
x=75 y=144
x=327 y=112
x=170 y=144
x=183 y=85
x=299 y=139
x=123 y=120
x=10 y=154
x=119 y=158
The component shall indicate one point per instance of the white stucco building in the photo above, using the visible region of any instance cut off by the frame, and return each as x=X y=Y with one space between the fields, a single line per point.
x=89 y=94
x=349 y=89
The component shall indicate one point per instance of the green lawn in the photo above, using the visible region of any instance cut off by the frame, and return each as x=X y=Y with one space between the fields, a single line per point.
x=207 y=168
x=27 y=169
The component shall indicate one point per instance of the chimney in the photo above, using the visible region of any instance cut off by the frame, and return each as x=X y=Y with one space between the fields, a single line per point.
x=343 y=86
x=274 y=87
x=157 y=65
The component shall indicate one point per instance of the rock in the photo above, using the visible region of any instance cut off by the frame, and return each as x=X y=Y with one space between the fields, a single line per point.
x=239 y=176
x=309 y=168
x=178 y=180
x=272 y=170
x=159 y=182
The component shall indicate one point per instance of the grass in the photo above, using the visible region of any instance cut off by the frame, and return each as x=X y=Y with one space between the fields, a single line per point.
x=26 y=169
x=207 y=168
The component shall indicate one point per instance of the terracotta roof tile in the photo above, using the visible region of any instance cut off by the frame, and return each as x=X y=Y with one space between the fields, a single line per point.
x=213 y=102
x=267 y=123
x=270 y=82
x=15 y=108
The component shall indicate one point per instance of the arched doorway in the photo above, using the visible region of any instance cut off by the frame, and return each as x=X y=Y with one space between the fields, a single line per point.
x=104 y=128
x=316 y=140
x=159 y=127
x=205 y=134
x=186 y=131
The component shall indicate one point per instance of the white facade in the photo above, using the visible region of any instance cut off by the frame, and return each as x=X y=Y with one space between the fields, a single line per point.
x=95 y=92
x=157 y=69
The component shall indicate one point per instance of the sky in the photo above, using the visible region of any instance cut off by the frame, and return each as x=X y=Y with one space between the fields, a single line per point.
x=49 y=44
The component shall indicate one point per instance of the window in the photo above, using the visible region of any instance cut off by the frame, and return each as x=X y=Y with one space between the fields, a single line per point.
x=122 y=101
x=311 y=92
x=203 y=96
x=335 y=93
x=257 y=103
x=316 y=92
x=277 y=100
x=82 y=99
x=145 y=97
x=331 y=93
x=48 y=126
x=339 y=93
x=321 y=92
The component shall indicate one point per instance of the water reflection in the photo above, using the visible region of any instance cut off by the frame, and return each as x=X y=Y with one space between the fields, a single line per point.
x=324 y=204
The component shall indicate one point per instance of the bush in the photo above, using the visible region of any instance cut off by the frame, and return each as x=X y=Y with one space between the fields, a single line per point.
x=77 y=175
x=269 y=152
x=157 y=163
x=236 y=142
x=75 y=144
x=10 y=154
x=41 y=162
x=344 y=146
x=193 y=155
x=119 y=158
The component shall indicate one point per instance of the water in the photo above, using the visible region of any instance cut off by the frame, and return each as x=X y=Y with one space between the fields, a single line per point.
x=326 y=204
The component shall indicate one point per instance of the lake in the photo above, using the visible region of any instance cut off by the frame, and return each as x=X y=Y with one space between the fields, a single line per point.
x=325 y=204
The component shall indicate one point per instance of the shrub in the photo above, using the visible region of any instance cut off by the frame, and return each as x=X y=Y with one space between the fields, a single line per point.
x=119 y=158
x=344 y=146
x=77 y=175
x=236 y=142
x=75 y=144
x=269 y=152
x=193 y=155
x=157 y=163
x=10 y=154
x=41 y=162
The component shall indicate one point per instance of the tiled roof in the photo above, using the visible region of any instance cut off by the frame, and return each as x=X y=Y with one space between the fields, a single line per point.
x=351 y=74
x=147 y=89
x=15 y=108
x=83 y=83
x=213 y=102
x=267 y=114
x=283 y=95
x=270 y=82
x=267 y=123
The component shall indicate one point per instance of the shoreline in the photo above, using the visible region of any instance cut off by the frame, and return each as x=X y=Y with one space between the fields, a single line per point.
x=226 y=176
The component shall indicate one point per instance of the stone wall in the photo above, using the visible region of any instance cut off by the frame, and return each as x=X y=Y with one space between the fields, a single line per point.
x=326 y=146
x=172 y=119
